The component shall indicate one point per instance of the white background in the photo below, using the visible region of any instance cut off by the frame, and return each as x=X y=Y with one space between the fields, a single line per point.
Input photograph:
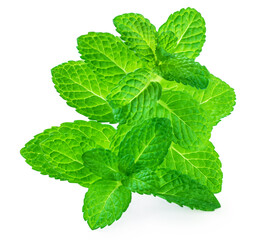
x=38 y=35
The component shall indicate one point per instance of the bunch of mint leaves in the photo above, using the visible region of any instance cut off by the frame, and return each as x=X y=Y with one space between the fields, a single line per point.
x=165 y=104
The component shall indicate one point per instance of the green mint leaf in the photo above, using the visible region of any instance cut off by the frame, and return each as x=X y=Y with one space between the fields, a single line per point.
x=148 y=143
x=136 y=96
x=166 y=42
x=83 y=90
x=141 y=108
x=62 y=139
x=105 y=202
x=35 y=157
x=182 y=190
x=189 y=28
x=58 y=155
x=138 y=33
x=119 y=135
x=103 y=163
x=127 y=164
x=184 y=70
x=217 y=100
x=130 y=87
x=64 y=153
x=101 y=134
x=108 y=56
x=188 y=124
x=202 y=165
x=143 y=182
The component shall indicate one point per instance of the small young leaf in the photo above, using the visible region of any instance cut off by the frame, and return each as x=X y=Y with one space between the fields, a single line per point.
x=104 y=203
x=83 y=90
x=182 y=190
x=110 y=58
x=103 y=163
x=138 y=33
x=189 y=28
x=166 y=42
x=148 y=143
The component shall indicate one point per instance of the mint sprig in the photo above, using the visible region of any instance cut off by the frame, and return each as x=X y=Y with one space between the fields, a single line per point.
x=165 y=104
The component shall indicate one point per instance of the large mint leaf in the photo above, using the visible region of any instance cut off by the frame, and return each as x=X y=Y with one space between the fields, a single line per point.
x=63 y=151
x=189 y=28
x=148 y=143
x=217 y=100
x=138 y=33
x=136 y=96
x=62 y=139
x=182 y=190
x=184 y=70
x=51 y=153
x=105 y=202
x=202 y=165
x=143 y=182
x=83 y=90
x=108 y=56
x=103 y=163
x=188 y=124
x=35 y=157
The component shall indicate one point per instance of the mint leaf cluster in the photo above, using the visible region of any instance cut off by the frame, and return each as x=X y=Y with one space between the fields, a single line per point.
x=165 y=104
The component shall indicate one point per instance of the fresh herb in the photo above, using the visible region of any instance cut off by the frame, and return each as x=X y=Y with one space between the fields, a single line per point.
x=165 y=104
